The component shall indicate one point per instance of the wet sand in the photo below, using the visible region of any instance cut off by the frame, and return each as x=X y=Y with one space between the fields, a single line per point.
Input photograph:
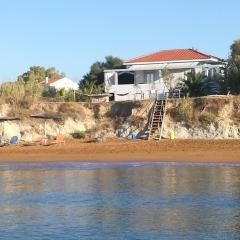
x=122 y=150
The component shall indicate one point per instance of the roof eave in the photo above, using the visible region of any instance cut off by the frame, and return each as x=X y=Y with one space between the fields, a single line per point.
x=212 y=59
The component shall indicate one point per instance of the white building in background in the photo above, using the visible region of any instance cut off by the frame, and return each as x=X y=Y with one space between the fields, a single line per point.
x=142 y=78
x=60 y=83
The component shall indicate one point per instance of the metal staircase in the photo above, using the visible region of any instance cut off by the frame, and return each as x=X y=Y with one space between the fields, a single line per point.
x=156 y=119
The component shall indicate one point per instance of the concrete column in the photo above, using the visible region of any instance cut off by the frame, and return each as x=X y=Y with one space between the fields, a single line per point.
x=115 y=78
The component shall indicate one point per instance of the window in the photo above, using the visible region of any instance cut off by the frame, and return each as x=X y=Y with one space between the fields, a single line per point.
x=125 y=78
x=149 y=76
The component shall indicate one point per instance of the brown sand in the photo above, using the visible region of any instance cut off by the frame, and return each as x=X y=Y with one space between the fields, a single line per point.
x=122 y=150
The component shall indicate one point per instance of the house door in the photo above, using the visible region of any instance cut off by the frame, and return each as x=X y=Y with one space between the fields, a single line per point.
x=149 y=77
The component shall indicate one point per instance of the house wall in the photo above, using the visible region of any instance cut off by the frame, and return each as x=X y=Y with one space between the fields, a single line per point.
x=137 y=92
x=139 y=77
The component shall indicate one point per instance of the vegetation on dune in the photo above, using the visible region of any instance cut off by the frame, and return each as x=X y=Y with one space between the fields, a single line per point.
x=183 y=111
x=78 y=135
x=203 y=111
x=207 y=119
x=20 y=93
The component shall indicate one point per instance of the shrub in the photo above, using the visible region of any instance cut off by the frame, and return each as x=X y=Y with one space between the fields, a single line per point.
x=63 y=94
x=184 y=111
x=236 y=107
x=78 y=135
x=206 y=119
x=19 y=93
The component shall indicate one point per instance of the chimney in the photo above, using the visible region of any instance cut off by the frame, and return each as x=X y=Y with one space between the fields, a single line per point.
x=46 y=80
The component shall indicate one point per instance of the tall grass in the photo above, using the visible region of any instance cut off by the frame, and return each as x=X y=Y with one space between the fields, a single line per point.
x=19 y=93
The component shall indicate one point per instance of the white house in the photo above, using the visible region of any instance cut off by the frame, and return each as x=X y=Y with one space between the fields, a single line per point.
x=143 y=78
x=60 y=83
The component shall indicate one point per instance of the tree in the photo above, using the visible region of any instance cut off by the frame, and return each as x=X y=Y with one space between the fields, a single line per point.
x=197 y=84
x=193 y=84
x=90 y=87
x=233 y=69
x=96 y=73
x=168 y=79
x=38 y=74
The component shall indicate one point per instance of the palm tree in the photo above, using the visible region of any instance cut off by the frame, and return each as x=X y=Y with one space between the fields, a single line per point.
x=193 y=83
x=90 y=87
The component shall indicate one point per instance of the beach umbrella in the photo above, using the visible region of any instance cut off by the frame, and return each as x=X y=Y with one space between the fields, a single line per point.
x=5 y=119
x=46 y=116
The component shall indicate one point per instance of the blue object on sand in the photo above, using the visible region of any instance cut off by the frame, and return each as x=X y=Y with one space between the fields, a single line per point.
x=13 y=140
x=134 y=136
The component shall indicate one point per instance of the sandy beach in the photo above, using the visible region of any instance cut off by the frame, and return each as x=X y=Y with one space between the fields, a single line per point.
x=123 y=150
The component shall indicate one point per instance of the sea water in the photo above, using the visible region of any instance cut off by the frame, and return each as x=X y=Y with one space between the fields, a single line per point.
x=73 y=200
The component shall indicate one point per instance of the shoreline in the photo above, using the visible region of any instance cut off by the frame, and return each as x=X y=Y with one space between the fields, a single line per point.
x=188 y=151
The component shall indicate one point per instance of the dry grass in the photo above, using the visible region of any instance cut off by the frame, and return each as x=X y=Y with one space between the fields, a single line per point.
x=207 y=119
x=203 y=111
x=74 y=111
x=236 y=108
x=210 y=105
x=184 y=111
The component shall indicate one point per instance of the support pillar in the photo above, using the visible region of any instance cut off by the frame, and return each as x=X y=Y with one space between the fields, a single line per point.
x=115 y=78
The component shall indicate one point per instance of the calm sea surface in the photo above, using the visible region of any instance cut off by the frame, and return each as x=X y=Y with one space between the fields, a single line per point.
x=119 y=201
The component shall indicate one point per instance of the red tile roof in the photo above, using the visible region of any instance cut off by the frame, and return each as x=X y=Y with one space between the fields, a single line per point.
x=170 y=55
x=50 y=81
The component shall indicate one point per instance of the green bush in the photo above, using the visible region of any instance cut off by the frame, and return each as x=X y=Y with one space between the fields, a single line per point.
x=78 y=135
x=63 y=94
x=207 y=119
x=184 y=111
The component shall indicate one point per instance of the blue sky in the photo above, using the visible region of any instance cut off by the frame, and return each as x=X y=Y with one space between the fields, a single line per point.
x=72 y=34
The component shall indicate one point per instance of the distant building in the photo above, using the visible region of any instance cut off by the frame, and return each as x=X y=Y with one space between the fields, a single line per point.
x=143 y=77
x=60 y=83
